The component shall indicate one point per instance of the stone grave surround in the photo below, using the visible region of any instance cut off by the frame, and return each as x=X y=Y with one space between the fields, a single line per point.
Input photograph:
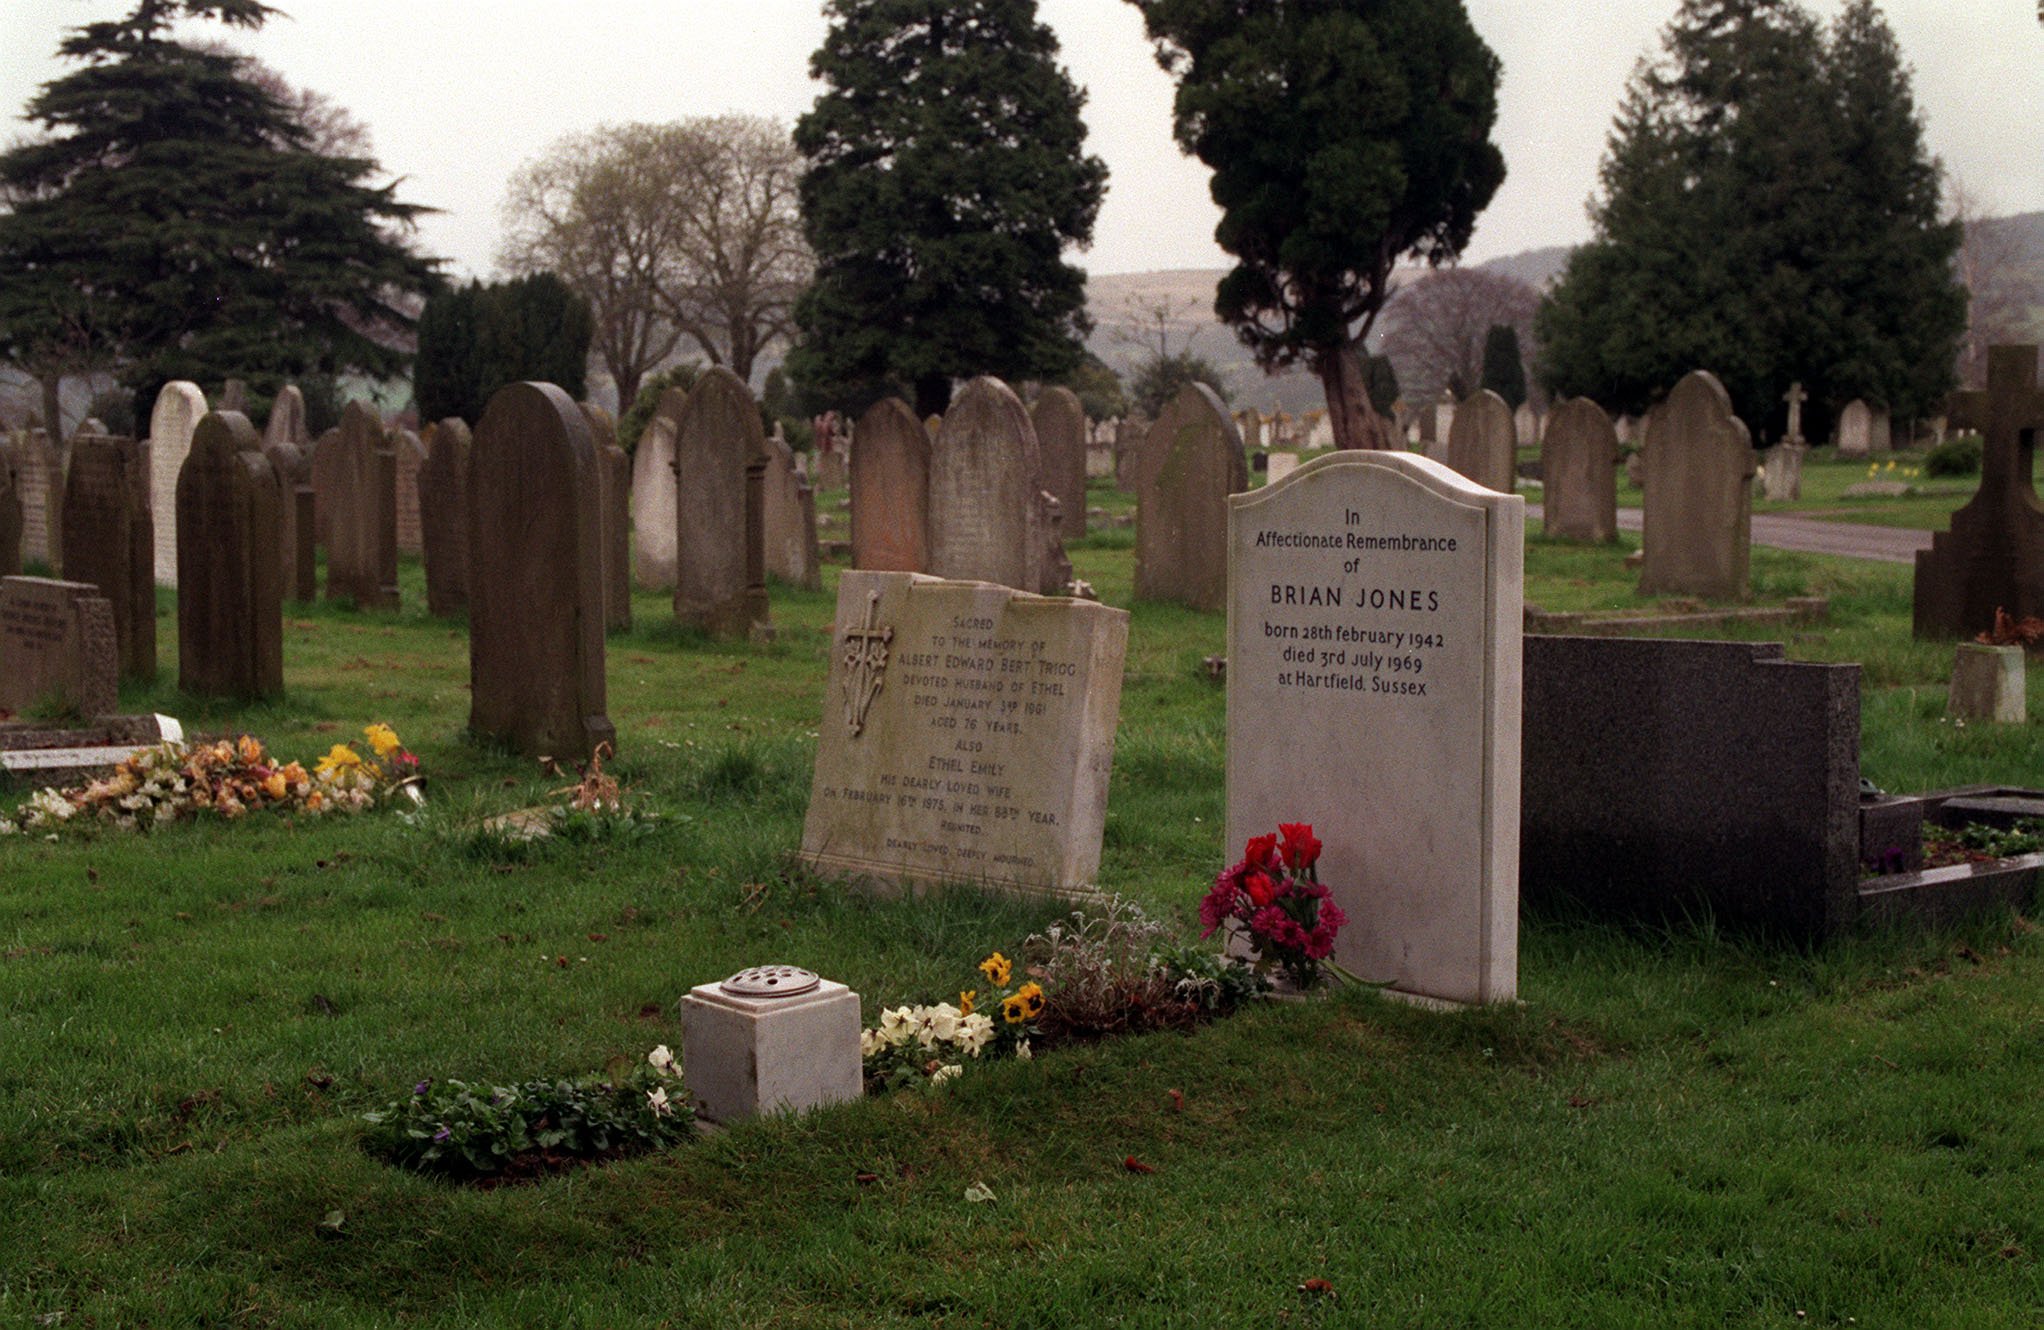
x=890 y=489
x=1579 y=473
x=443 y=516
x=39 y=486
x=720 y=464
x=654 y=497
x=361 y=561
x=1993 y=554
x=57 y=648
x=230 y=603
x=1482 y=443
x=1375 y=603
x=1060 y=423
x=536 y=653
x=172 y=423
x=1697 y=520
x=1191 y=461
x=967 y=736
x=985 y=521
x=110 y=541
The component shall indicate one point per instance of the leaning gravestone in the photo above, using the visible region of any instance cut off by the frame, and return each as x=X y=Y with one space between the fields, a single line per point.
x=720 y=558
x=967 y=736
x=1993 y=555
x=890 y=489
x=1855 y=430
x=986 y=523
x=10 y=519
x=230 y=598
x=1698 y=520
x=535 y=592
x=57 y=650
x=443 y=516
x=361 y=556
x=614 y=484
x=1060 y=423
x=654 y=497
x=1579 y=473
x=39 y=484
x=1192 y=461
x=1482 y=444
x=1374 y=625
x=788 y=506
x=110 y=542
x=171 y=425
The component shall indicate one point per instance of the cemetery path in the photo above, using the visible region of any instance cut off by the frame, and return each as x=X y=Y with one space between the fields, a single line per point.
x=1811 y=535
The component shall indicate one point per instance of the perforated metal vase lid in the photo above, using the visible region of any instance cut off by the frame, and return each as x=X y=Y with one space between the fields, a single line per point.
x=771 y=981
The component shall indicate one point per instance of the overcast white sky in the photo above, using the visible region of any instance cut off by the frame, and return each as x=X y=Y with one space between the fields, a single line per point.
x=457 y=94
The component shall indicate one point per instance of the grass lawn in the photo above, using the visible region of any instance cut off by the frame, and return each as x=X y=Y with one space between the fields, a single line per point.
x=1674 y=1128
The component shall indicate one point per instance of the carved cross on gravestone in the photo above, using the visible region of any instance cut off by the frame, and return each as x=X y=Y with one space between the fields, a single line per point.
x=1795 y=399
x=865 y=664
x=1993 y=556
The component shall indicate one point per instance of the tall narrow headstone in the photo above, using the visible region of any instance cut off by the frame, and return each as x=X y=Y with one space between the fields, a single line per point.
x=614 y=477
x=536 y=577
x=230 y=598
x=1993 y=555
x=326 y=468
x=287 y=420
x=1698 y=519
x=110 y=541
x=39 y=484
x=985 y=519
x=361 y=557
x=890 y=489
x=1855 y=429
x=720 y=556
x=1526 y=425
x=171 y=425
x=1375 y=603
x=1579 y=472
x=1482 y=443
x=1060 y=423
x=1191 y=462
x=654 y=497
x=443 y=516
x=409 y=455
x=294 y=472
x=792 y=551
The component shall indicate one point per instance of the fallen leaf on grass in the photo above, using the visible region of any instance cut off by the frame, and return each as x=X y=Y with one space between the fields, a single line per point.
x=1177 y=1100
x=1135 y=1165
x=599 y=937
x=980 y=1194
x=865 y=1179
x=1319 y=1286
x=333 y=1222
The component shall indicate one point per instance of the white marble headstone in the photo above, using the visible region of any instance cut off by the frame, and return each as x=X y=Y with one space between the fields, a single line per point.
x=653 y=503
x=179 y=408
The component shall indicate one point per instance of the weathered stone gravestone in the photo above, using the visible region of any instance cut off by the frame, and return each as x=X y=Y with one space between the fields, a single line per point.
x=1781 y=472
x=39 y=486
x=720 y=555
x=410 y=456
x=443 y=516
x=1191 y=462
x=654 y=499
x=1482 y=444
x=1988 y=685
x=614 y=483
x=1698 y=520
x=57 y=651
x=1444 y=425
x=1526 y=425
x=1279 y=466
x=535 y=591
x=10 y=519
x=967 y=736
x=110 y=542
x=1855 y=430
x=287 y=421
x=788 y=504
x=324 y=464
x=294 y=472
x=361 y=555
x=1375 y=602
x=1060 y=423
x=1579 y=472
x=1993 y=555
x=172 y=423
x=890 y=489
x=230 y=597
x=987 y=521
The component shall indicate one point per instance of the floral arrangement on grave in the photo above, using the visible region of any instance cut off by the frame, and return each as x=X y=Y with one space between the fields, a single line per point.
x=1273 y=902
x=931 y=1044
x=227 y=777
x=2009 y=631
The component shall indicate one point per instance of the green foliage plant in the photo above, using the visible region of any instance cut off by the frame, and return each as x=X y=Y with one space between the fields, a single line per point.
x=1504 y=368
x=1160 y=378
x=476 y=338
x=1959 y=455
x=640 y=413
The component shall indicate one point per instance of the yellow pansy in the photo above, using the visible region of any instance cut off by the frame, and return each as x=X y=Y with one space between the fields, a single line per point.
x=381 y=738
x=997 y=969
x=339 y=758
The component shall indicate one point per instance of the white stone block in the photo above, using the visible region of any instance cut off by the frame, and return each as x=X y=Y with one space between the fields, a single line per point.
x=1987 y=685
x=743 y=1056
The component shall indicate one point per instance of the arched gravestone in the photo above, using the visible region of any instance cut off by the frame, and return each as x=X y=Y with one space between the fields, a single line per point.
x=1579 y=472
x=171 y=424
x=295 y=550
x=110 y=541
x=535 y=596
x=443 y=516
x=654 y=497
x=287 y=420
x=1060 y=423
x=1483 y=442
x=230 y=597
x=720 y=559
x=1993 y=555
x=10 y=519
x=1855 y=429
x=1698 y=521
x=985 y=517
x=1191 y=462
x=890 y=489
x=614 y=486
x=789 y=508
x=361 y=556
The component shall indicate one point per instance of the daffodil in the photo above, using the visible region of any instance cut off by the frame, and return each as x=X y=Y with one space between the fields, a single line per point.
x=381 y=738
x=340 y=758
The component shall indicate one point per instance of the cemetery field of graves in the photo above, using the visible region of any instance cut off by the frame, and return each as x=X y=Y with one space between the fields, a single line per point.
x=1674 y=1125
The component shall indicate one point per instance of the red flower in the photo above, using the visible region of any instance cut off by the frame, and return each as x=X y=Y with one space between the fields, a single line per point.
x=1302 y=848
x=1261 y=852
x=1260 y=888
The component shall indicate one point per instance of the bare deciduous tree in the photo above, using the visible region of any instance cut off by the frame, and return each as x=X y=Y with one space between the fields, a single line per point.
x=1989 y=261
x=1435 y=325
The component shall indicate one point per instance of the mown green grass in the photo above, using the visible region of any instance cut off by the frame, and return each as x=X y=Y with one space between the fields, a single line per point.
x=1673 y=1129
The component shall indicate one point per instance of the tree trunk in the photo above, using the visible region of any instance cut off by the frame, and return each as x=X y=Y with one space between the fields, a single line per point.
x=627 y=390
x=53 y=397
x=933 y=395
x=1348 y=402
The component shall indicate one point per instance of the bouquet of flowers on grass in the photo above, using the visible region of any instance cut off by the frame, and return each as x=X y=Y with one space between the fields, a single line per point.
x=1273 y=900
x=933 y=1043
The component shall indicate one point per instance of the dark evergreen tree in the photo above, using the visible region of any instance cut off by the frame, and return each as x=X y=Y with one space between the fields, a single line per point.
x=173 y=221
x=1344 y=136
x=475 y=339
x=946 y=176
x=1504 y=367
x=1159 y=379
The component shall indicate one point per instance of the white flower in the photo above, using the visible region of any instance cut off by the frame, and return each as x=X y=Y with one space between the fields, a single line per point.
x=662 y=1060
x=893 y=1019
x=870 y=1043
x=945 y=1073
x=974 y=1032
x=1022 y=1051
x=657 y=1097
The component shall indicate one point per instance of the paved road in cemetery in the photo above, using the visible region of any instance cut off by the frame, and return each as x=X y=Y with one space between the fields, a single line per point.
x=1785 y=531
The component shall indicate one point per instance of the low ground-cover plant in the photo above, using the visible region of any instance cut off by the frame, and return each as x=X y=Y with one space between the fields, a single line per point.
x=1957 y=456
